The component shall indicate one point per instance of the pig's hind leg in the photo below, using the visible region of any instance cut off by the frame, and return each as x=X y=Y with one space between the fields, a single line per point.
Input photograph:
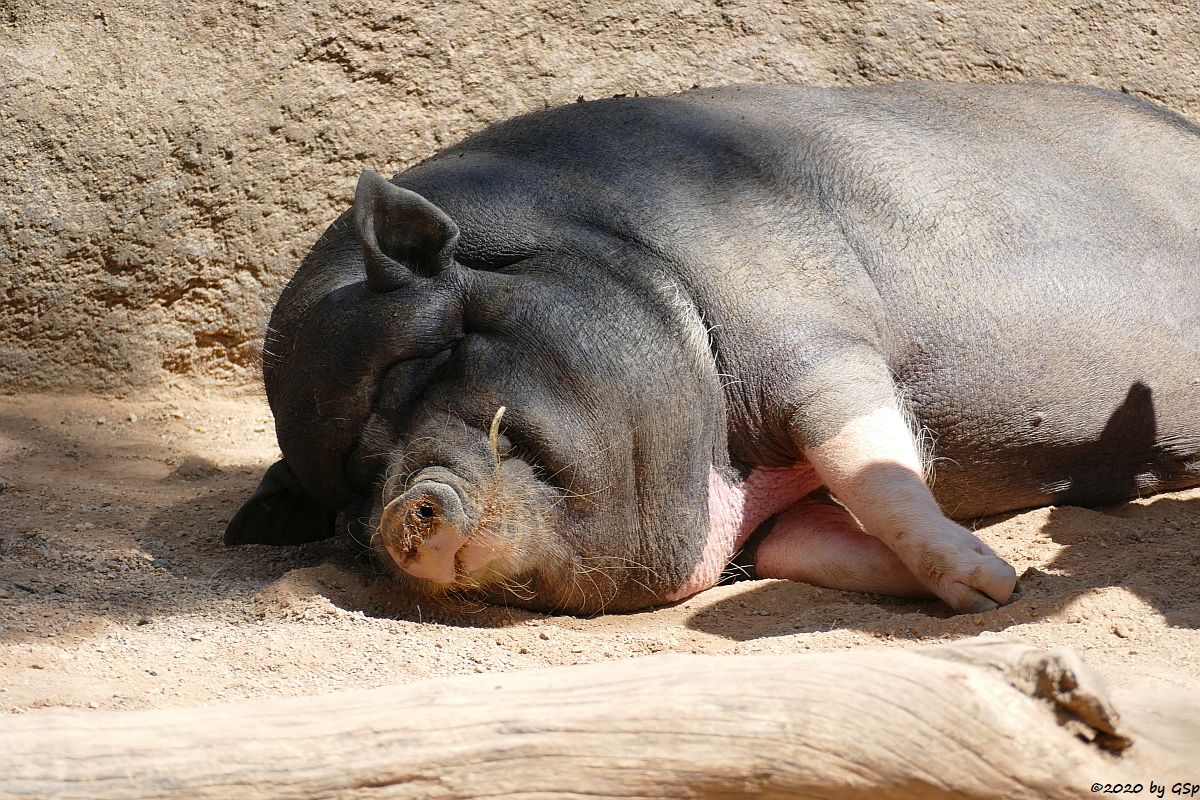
x=818 y=542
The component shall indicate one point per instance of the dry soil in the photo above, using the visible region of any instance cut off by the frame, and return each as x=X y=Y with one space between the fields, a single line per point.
x=116 y=592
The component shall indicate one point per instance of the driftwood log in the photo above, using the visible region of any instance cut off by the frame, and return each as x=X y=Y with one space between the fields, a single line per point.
x=979 y=719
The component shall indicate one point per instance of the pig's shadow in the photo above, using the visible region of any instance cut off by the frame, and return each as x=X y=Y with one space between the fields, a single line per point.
x=71 y=573
x=767 y=608
x=184 y=542
x=1148 y=548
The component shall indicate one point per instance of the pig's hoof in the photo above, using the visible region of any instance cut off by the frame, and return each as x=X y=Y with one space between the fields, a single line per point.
x=969 y=601
x=965 y=573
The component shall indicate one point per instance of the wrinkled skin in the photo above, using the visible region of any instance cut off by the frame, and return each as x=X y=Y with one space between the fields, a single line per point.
x=578 y=360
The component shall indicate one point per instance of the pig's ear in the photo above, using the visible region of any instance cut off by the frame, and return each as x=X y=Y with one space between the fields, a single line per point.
x=401 y=233
x=280 y=512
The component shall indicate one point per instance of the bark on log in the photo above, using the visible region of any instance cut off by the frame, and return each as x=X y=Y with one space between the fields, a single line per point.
x=979 y=719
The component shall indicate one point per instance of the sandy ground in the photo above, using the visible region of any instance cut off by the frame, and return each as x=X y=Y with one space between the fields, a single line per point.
x=116 y=592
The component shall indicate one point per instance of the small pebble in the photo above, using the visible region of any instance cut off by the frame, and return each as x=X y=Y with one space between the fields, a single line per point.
x=1122 y=631
x=544 y=636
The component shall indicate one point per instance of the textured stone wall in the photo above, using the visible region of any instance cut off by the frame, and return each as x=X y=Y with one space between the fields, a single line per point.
x=164 y=165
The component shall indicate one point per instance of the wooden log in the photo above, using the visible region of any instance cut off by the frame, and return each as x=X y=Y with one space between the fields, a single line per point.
x=980 y=719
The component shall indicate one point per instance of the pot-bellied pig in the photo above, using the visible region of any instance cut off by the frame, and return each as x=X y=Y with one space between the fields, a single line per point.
x=581 y=359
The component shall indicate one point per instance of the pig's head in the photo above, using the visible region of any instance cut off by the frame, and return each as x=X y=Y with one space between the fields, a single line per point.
x=387 y=363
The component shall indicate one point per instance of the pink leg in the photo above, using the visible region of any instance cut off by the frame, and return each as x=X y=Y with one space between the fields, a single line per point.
x=872 y=468
x=818 y=542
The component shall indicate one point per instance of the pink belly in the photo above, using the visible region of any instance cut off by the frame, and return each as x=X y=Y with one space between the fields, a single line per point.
x=736 y=510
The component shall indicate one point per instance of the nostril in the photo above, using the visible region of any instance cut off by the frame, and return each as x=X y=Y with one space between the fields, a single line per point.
x=421 y=514
x=431 y=501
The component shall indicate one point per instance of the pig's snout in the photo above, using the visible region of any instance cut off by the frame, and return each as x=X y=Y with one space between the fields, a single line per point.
x=425 y=529
x=430 y=535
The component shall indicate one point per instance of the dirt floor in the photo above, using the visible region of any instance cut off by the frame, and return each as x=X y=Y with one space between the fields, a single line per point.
x=116 y=592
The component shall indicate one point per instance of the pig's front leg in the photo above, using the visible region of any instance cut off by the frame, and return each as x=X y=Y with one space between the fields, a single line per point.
x=869 y=460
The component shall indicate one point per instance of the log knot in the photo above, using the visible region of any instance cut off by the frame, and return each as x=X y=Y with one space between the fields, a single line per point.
x=1079 y=695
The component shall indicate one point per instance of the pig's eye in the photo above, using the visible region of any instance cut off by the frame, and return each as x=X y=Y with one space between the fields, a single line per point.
x=425 y=511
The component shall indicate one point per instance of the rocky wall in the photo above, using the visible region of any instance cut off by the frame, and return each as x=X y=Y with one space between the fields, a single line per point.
x=164 y=165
